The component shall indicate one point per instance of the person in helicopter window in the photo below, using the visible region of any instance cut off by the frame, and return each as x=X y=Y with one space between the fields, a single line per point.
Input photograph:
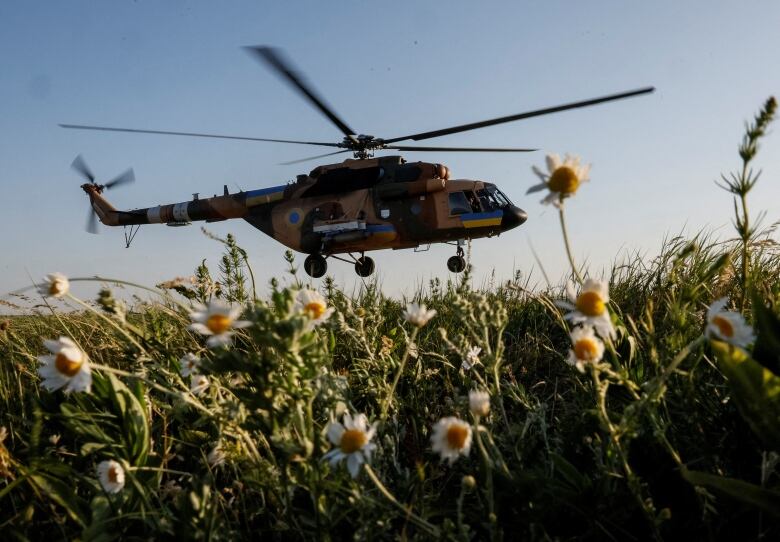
x=487 y=203
x=474 y=202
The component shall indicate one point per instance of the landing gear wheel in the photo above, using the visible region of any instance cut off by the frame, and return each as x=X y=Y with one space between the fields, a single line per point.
x=364 y=266
x=315 y=265
x=456 y=264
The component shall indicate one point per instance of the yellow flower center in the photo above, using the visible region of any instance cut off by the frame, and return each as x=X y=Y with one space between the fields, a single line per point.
x=456 y=436
x=55 y=288
x=586 y=349
x=315 y=309
x=725 y=327
x=563 y=180
x=113 y=474
x=67 y=366
x=218 y=323
x=590 y=304
x=352 y=440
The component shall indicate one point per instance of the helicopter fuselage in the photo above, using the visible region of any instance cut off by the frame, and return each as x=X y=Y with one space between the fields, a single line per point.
x=353 y=206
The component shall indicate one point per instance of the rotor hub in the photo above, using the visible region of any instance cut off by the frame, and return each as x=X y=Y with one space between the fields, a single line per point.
x=93 y=188
x=362 y=145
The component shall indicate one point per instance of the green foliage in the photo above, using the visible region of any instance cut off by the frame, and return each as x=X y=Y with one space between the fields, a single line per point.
x=756 y=390
x=658 y=440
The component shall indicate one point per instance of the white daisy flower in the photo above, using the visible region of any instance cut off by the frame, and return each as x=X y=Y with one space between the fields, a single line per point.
x=352 y=442
x=313 y=305
x=111 y=476
x=451 y=437
x=472 y=358
x=418 y=315
x=67 y=366
x=562 y=178
x=479 y=403
x=54 y=285
x=727 y=325
x=590 y=306
x=586 y=348
x=217 y=320
x=198 y=384
x=190 y=364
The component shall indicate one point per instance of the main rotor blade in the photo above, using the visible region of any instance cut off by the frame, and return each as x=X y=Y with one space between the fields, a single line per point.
x=81 y=166
x=311 y=158
x=274 y=59
x=124 y=178
x=455 y=149
x=92 y=221
x=519 y=116
x=194 y=134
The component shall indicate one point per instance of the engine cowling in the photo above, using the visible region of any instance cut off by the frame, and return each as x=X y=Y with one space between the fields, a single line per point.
x=414 y=188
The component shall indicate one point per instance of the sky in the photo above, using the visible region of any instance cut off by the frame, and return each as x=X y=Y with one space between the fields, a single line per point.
x=388 y=69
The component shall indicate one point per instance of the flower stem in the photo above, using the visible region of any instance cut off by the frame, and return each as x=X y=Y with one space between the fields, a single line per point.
x=389 y=398
x=568 y=247
x=414 y=518
x=660 y=384
x=487 y=465
x=745 y=244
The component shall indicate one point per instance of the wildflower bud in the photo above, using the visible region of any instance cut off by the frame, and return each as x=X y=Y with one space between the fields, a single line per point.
x=479 y=403
x=468 y=482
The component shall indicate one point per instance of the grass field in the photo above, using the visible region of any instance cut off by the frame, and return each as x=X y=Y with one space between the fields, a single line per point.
x=643 y=409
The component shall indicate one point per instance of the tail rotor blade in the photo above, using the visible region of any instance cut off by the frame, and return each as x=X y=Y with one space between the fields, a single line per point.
x=92 y=221
x=125 y=178
x=81 y=166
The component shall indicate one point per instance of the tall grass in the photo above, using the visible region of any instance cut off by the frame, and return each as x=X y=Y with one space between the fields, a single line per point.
x=674 y=434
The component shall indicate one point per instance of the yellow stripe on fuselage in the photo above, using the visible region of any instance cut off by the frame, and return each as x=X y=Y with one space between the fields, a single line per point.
x=482 y=222
x=264 y=198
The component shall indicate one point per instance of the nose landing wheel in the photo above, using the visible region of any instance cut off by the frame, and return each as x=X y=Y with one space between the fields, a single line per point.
x=315 y=265
x=364 y=266
x=457 y=263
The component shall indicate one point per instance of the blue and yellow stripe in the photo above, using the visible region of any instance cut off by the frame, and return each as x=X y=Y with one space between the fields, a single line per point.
x=264 y=195
x=481 y=220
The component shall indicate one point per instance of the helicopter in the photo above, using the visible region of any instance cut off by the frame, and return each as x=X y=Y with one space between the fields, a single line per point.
x=343 y=210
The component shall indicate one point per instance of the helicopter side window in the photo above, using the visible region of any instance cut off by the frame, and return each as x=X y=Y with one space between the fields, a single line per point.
x=459 y=204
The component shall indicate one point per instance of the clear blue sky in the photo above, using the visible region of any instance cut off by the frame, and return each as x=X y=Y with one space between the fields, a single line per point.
x=388 y=68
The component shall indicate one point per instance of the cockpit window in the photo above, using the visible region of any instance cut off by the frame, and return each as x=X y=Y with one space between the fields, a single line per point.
x=487 y=200
x=459 y=204
x=500 y=198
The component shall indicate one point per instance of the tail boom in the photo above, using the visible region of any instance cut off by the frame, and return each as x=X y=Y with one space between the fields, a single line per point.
x=207 y=209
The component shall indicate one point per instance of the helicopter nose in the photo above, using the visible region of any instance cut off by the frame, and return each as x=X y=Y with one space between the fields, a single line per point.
x=513 y=217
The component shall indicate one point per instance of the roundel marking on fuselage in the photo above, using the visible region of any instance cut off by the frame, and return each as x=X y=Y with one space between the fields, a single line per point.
x=294 y=217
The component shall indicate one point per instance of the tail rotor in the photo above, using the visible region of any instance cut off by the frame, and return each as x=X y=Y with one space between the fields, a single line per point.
x=91 y=187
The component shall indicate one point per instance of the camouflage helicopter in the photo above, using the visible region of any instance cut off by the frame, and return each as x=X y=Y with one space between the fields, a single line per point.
x=346 y=209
